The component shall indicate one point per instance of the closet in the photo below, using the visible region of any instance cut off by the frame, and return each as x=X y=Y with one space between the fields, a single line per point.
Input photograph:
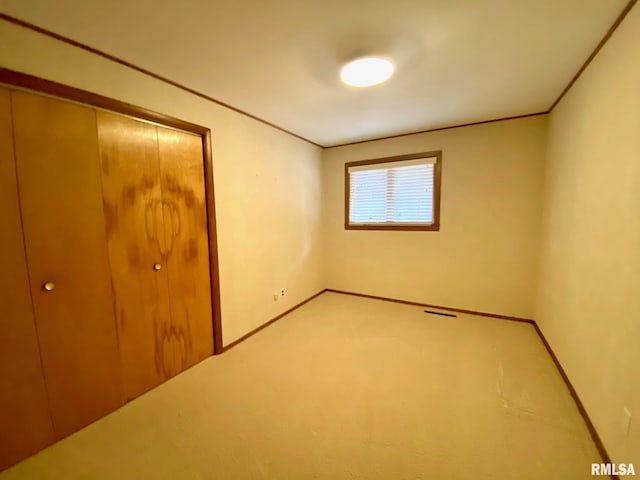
x=105 y=289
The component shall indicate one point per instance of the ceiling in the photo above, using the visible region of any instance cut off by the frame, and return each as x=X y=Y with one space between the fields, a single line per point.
x=457 y=61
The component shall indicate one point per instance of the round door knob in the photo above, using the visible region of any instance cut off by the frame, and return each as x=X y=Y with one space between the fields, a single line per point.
x=157 y=266
x=49 y=286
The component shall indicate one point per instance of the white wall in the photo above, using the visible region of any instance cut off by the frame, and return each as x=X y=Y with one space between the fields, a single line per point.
x=267 y=183
x=484 y=257
x=589 y=288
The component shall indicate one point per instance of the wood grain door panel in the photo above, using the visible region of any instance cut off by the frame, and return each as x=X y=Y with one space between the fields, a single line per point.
x=58 y=167
x=135 y=231
x=24 y=412
x=186 y=242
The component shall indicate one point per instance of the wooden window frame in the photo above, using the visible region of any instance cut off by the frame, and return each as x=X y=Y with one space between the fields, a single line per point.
x=23 y=81
x=437 y=174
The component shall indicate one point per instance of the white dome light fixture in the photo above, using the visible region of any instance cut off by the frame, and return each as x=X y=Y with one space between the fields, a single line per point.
x=366 y=72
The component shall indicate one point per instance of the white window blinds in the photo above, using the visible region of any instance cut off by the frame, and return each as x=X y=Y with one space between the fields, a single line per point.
x=392 y=193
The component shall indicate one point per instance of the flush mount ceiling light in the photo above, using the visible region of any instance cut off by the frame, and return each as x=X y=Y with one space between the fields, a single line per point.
x=366 y=71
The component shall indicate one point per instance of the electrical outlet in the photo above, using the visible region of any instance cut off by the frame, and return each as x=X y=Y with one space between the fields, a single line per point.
x=626 y=421
x=282 y=292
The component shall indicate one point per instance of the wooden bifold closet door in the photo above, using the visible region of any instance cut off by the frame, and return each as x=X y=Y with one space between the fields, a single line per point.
x=24 y=416
x=58 y=171
x=153 y=187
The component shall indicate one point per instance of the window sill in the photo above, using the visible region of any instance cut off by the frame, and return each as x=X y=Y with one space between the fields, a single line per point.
x=424 y=228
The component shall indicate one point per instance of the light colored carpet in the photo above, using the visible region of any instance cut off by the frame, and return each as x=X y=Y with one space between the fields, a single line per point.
x=346 y=388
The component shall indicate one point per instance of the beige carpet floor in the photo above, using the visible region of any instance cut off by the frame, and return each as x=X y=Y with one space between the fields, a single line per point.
x=346 y=388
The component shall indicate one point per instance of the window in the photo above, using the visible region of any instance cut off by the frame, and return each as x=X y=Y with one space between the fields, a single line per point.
x=394 y=193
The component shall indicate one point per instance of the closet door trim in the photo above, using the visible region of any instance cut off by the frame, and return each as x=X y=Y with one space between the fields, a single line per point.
x=24 y=81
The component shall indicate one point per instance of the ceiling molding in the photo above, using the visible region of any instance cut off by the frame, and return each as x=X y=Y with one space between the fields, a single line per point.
x=440 y=128
x=70 y=41
x=584 y=66
x=595 y=52
x=120 y=61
